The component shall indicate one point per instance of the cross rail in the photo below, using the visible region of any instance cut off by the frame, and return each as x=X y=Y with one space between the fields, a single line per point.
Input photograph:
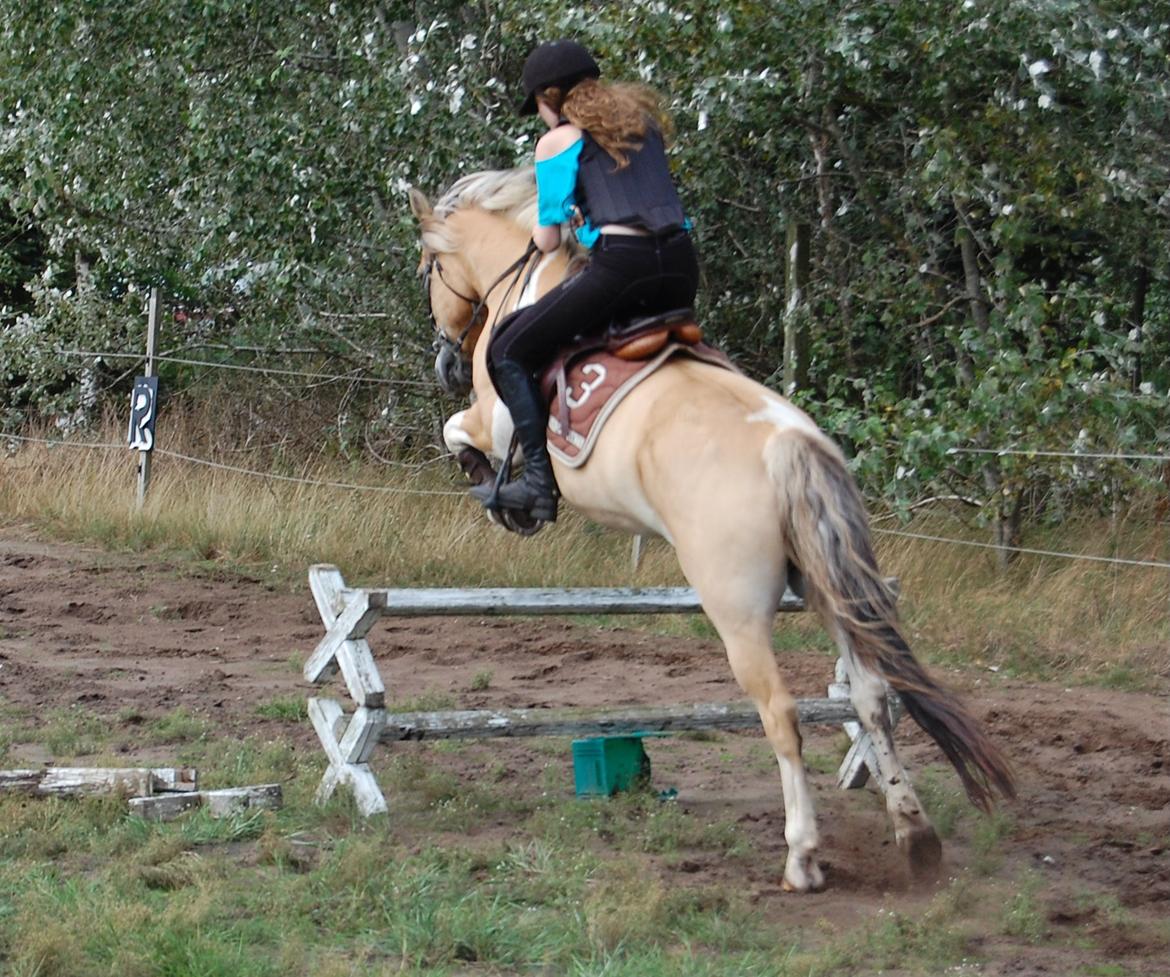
x=349 y=740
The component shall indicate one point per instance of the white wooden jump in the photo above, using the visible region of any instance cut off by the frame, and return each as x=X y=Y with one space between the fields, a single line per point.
x=349 y=613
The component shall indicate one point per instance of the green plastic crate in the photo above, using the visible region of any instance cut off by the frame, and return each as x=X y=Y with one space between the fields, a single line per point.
x=603 y=765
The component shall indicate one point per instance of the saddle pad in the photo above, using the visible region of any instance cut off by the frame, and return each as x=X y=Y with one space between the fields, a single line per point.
x=595 y=385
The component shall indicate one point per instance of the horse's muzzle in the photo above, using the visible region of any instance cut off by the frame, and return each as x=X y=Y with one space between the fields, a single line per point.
x=453 y=371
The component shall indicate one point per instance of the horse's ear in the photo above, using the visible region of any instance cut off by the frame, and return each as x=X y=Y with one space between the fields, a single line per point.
x=419 y=205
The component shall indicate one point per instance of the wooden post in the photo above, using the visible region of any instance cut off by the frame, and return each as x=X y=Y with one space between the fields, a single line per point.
x=796 y=265
x=152 y=320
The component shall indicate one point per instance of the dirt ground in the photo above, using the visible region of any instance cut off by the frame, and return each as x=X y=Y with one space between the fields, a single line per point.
x=118 y=634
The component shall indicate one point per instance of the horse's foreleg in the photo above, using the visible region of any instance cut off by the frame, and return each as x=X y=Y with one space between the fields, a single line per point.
x=913 y=831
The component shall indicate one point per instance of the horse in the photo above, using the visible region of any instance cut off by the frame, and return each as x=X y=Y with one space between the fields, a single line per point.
x=741 y=482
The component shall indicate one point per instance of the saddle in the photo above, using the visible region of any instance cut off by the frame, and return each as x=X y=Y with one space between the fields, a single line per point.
x=586 y=381
x=637 y=339
x=642 y=338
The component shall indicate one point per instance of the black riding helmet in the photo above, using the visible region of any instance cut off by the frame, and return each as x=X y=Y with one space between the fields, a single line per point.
x=561 y=63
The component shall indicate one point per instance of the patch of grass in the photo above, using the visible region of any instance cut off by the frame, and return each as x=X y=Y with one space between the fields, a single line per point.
x=74 y=732
x=986 y=841
x=828 y=762
x=177 y=726
x=574 y=888
x=200 y=828
x=130 y=716
x=946 y=804
x=1023 y=915
x=290 y=709
x=450 y=803
x=481 y=681
x=930 y=943
x=430 y=701
x=636 y=822
x=237 y=763
x=667 y=828
x=801 y=633
x=1123 y=678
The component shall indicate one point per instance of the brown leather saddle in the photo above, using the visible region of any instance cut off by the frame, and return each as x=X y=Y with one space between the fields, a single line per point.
x=637 y=339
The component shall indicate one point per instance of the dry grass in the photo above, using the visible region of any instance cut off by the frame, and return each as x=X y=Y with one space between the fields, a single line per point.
x=1044 y=617
x=1104 y=622
x=422 y=529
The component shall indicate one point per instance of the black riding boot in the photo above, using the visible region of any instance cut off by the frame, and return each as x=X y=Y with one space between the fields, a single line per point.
x=535 y=492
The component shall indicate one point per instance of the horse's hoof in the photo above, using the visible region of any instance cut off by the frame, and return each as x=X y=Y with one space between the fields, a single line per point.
x=923 y=852
x=803 y=878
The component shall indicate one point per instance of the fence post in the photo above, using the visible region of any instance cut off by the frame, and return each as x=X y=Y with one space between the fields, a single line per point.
x=796 y=265
x=152 y=321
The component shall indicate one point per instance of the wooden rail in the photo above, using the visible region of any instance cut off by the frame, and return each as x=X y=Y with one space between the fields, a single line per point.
x=349 y=739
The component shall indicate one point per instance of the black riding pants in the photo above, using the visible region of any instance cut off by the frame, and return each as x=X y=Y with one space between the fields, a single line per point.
x=627 y=277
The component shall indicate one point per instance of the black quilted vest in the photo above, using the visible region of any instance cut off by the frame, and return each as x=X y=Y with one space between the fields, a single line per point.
x=641 y=194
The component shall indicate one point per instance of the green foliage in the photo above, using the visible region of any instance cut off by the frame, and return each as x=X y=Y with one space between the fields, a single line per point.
x=985 y=183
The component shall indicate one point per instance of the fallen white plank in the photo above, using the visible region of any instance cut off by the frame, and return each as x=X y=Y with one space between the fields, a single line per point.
x=73 y=781
x=219 y=803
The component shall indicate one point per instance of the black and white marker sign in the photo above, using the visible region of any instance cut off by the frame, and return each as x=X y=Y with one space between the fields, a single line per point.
x=142 y=408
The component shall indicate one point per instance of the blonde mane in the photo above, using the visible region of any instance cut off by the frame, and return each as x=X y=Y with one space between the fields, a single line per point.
x=509 y=193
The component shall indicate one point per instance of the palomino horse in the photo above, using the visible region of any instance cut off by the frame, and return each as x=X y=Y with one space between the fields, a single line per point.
x=740 y=482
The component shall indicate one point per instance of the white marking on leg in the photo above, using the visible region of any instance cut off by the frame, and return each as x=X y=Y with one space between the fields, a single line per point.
x=454 y=435
x=800 y=827
x=502 y=430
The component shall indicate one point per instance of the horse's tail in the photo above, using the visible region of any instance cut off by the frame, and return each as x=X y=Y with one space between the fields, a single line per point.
x=827 y=535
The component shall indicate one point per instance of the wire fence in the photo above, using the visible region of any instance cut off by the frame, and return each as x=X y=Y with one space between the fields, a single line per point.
x=242 y=368
x=355 y=487
x=1086 y=557
x=250 y=472
x=1076 y=455
x=395 y=490
x=316 y=378
x=320 y=378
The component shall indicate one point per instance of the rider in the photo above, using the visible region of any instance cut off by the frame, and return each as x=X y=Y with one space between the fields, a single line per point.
x=602 y=169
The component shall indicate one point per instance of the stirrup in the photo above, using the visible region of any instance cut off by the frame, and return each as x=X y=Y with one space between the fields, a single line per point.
x=543 y=509
x=489 y=495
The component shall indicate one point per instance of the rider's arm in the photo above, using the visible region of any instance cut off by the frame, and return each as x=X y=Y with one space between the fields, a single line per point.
x=556 y=183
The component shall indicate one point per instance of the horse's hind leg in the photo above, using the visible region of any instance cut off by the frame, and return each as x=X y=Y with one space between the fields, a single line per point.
x=913 y=831
x=749 y=650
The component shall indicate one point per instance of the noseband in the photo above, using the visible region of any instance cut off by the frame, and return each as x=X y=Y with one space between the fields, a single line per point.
x=477 y=305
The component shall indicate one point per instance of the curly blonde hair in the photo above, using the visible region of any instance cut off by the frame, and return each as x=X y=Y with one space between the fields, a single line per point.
x=615 y=114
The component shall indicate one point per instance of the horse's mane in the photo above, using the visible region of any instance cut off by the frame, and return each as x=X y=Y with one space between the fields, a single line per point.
x=510 y=193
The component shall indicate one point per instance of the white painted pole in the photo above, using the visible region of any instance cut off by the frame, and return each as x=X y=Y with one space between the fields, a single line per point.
x=636 y=552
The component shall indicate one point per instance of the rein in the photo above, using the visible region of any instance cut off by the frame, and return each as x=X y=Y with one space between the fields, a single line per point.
x=516 y=268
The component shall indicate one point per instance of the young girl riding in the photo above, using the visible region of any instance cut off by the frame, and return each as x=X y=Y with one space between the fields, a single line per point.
x=602 y=170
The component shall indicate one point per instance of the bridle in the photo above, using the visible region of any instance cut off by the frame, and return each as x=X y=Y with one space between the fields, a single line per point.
x=432 y=265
